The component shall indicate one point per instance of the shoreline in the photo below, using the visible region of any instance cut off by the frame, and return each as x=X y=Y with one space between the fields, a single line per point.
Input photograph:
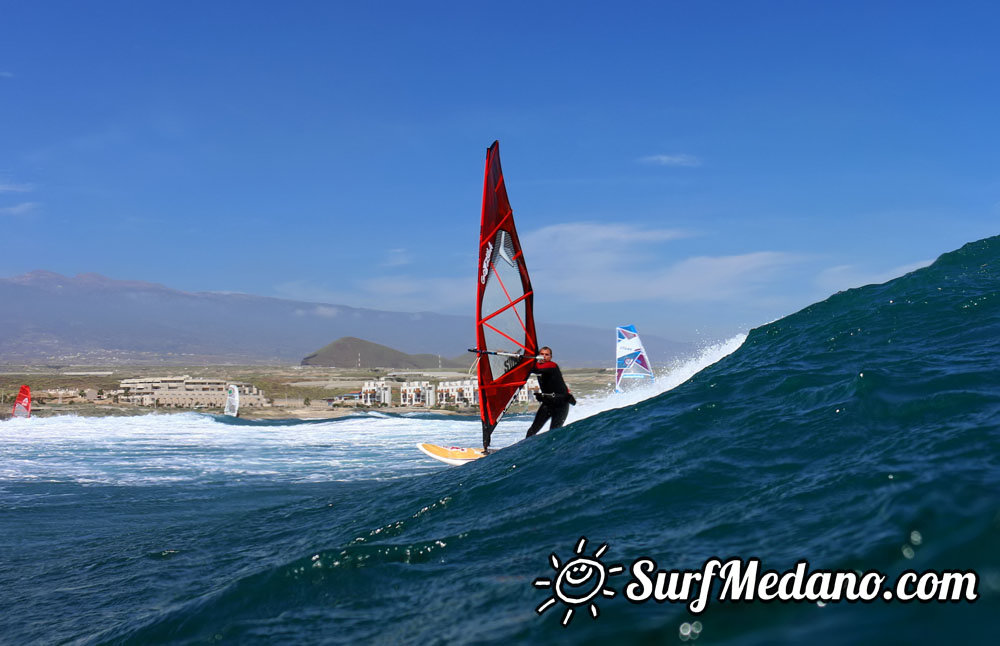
x=58 y=391
x=272 y=413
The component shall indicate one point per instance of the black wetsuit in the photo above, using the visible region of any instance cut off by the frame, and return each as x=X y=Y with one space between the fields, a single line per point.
x=554 y=395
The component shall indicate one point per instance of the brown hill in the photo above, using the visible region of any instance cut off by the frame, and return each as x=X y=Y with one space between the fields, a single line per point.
x=349 y=352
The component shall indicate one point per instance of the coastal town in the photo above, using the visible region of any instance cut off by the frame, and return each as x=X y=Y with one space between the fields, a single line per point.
x=194 y=392
x=264 y=392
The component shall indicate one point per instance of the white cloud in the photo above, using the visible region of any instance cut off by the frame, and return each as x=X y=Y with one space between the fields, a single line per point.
x=414 y=293
x=677 y=159
x=596 y=263
x=16 y=188
x=394 y=293
x=302 y=291
x=841 y=277
x=576 y=264
x=697 y=279
x=396 y=258
x=586 y=245
x=718 y=278
x=324 y=311
x=591 y=235
x=24 y=208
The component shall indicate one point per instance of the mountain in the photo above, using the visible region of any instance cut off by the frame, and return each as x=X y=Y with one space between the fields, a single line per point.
x=348 y=351
x=91 y=319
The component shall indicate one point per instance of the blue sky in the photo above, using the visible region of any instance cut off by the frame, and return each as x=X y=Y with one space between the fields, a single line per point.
x=693 y=168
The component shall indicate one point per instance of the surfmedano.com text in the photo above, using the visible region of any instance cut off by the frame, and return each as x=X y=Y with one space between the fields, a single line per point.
x=741 y=580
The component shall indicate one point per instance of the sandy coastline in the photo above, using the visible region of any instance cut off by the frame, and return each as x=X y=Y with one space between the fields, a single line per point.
x=295 y=392
x=273 y=412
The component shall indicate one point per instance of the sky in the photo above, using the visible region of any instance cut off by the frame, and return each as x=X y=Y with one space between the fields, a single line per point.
x=693 y=168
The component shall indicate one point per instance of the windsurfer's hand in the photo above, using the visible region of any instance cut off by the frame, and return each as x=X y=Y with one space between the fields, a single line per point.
x=539 y=397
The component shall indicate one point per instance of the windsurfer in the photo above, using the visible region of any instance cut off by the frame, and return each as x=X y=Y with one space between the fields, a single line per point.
x=553 y=393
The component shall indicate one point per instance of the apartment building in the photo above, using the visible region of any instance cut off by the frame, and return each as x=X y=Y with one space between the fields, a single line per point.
x=376 y=393
x=527 y=394
x=186 y=392
x=465 y=392
x=462 y=393
x=418 y=393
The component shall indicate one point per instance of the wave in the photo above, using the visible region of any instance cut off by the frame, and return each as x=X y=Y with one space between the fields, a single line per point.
x=862 y=432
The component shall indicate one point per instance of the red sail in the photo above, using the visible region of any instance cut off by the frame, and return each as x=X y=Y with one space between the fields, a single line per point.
x=22 y=405
x=504 y=315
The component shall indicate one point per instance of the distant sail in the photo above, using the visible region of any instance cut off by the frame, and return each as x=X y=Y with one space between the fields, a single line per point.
x=631 y=359
x=505 y=321
x=22 y=405
x=233 y=401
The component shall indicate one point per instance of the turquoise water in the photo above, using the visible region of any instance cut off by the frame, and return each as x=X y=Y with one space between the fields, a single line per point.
x=860 y=433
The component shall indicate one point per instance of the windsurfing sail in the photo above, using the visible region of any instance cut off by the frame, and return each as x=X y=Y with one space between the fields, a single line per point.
x=232 y=400
x=22 y=404
x=630 y=357
x=505 y=322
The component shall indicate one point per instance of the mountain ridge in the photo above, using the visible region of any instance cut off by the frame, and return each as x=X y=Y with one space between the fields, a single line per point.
x=92 y=319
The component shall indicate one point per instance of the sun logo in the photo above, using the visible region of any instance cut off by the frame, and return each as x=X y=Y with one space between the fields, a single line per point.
x=578 y=581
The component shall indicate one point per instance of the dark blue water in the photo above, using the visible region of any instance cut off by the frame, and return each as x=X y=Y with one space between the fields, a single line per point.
x=860 y=433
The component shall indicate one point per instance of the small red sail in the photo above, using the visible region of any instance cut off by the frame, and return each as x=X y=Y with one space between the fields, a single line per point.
x=22 y=405
x=505 y=319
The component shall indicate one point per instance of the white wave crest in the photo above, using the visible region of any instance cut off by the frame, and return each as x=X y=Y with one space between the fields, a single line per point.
x=667 y=378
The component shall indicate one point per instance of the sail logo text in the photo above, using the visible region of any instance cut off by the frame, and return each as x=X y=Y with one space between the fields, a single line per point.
x=486 y=262
x=583 y=579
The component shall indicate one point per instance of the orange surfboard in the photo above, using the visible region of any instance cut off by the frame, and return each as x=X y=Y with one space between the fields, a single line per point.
x=454 y=455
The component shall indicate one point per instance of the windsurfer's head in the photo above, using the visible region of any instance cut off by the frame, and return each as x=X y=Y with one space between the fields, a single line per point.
x=545 y=352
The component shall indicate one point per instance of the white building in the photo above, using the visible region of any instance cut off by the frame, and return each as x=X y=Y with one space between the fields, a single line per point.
x=375 y=393
x=463 y=393
x=527 y=394
x=466 y=392
x=418 y=393
x=187 y=392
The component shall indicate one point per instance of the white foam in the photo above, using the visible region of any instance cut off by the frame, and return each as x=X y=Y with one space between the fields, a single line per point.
x=164 y=448
x=189 y=447
x=667 y=378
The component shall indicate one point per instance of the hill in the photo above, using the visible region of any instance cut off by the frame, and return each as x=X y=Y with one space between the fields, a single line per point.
x=352 y=352
x=47 y=318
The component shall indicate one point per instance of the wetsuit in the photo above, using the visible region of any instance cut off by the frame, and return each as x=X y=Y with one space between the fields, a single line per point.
x=553 y=394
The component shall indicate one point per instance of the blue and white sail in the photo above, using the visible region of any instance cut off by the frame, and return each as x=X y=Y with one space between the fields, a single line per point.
x=630 y=358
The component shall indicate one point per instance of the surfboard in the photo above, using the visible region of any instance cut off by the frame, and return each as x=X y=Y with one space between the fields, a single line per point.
x=454 y=455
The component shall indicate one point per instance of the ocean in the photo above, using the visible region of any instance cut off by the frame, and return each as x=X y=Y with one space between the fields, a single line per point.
x=859 y=434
